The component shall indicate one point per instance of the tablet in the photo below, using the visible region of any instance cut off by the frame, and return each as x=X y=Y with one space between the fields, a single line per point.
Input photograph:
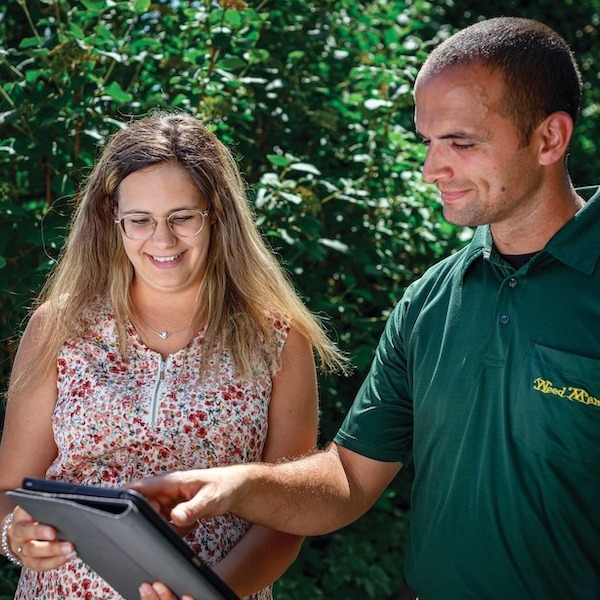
x=120 y=536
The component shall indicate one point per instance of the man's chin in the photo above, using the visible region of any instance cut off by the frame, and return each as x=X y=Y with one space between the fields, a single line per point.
x=460 y=219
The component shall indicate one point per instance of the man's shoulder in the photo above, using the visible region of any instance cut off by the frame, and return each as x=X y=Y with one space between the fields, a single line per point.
x=451 y=266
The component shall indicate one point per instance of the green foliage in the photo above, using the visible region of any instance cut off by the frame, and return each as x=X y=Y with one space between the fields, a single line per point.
x=8 y=576
x=351 y=563
x=314 y=96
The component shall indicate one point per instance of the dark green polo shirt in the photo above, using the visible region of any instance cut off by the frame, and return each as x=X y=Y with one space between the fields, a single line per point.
x=490 y=379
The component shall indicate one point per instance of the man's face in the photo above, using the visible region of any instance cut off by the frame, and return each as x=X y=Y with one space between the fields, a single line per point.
x=474 y=155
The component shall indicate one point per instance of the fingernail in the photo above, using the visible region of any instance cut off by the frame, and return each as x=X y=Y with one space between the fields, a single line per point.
x=160 y=587
x=67 y=548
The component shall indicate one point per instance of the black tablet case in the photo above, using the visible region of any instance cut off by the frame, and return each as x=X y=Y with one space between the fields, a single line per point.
x=121 y=537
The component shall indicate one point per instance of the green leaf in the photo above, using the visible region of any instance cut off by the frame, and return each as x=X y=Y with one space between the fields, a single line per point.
x=95 y=6
x=296 y=55
x=27 y=43
x=233 y=18
x=232 y=63
x=141 y=6
x=117 y=93
x=305 y=168
x=335 y=245
x=291 y=197
x=9 y=115
x=277 y=160
x=77 y=31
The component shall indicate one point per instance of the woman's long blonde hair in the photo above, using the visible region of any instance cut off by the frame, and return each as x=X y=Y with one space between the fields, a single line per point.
x=244 y=284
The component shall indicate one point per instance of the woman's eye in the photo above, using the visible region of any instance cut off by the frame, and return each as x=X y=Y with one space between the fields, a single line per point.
x=140 y=221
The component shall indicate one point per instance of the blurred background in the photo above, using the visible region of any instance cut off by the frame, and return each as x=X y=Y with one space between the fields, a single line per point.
x=314 y=98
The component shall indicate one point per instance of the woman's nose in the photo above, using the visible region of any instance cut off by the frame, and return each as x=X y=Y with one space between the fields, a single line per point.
x=162 y=233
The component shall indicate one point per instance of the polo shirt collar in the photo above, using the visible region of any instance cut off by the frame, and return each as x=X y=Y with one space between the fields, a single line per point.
x=576 y=244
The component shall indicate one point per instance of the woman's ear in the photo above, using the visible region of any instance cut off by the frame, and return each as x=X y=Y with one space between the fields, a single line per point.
x=212 y=218
x=555 y=133
x=111 y=207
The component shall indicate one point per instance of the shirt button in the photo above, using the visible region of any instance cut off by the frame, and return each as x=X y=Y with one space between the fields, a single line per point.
x=504 y=319
x=512 y=282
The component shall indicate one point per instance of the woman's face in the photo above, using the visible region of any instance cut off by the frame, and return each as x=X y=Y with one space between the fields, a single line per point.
x=165 y=262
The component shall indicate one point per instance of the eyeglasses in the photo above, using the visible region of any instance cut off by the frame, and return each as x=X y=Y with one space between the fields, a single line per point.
x=182 y=223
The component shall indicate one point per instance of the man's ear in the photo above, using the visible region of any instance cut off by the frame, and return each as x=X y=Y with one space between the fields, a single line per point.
x=554 y=133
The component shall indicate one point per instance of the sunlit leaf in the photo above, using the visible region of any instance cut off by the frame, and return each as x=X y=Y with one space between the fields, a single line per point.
x=305 y=168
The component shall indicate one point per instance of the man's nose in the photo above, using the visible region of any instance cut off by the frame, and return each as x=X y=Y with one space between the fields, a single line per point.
x=436 y=165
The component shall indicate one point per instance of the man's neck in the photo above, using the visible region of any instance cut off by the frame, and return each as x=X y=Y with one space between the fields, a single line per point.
x=531 y=234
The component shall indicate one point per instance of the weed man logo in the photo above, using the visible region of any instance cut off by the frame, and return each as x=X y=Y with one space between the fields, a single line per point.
x=570 y=393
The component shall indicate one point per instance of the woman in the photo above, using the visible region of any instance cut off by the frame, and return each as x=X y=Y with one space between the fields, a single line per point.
x=167 y=338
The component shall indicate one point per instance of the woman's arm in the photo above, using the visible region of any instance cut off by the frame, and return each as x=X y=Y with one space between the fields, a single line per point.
x=262 y=555
x=293 y=425
x=28 y=449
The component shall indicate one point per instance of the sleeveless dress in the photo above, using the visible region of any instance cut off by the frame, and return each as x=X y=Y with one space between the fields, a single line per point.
x=116 y=421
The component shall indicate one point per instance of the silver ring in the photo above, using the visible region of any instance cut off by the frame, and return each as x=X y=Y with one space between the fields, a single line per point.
x=19 y=549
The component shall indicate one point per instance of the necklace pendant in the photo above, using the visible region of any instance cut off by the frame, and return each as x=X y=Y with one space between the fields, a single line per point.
x=164 y=334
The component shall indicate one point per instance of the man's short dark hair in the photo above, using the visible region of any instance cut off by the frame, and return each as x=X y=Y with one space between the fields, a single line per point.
x=540 y=73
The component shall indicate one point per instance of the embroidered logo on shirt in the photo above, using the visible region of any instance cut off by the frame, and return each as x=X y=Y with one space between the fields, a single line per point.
x=570 y=393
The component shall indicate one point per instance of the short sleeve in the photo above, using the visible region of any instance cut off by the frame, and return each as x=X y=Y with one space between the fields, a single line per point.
x=379 y=423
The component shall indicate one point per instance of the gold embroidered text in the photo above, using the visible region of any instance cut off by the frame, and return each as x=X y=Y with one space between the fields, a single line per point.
x=574 y=394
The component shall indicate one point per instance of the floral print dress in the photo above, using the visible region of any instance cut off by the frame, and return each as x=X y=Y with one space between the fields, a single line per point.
x=116 y=421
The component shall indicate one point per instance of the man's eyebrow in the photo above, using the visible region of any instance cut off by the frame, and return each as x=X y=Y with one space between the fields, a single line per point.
x=456 y=135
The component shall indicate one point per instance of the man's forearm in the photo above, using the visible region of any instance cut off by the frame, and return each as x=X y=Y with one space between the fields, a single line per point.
x=307 y=496
x=312 y=495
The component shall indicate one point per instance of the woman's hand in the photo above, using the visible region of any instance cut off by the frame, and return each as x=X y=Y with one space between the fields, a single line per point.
x=159 y=591
x=35 y=544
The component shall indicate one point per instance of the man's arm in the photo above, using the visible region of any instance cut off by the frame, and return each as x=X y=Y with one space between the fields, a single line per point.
x=312 y=495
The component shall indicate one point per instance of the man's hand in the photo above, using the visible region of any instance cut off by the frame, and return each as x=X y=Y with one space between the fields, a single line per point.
x=185 y=496
x=312 y=495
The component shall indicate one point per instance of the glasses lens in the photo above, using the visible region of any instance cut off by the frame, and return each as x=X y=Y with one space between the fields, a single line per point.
x=183 y=223
x=186 y=223
x=138 y=227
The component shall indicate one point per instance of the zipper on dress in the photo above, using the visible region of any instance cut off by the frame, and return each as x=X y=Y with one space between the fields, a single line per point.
x=162 y=367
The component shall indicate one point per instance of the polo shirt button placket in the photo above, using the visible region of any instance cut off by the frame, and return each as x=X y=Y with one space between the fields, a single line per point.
x=505 y=319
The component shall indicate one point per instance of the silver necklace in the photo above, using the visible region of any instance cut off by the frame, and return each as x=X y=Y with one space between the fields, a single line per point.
x=163 y=334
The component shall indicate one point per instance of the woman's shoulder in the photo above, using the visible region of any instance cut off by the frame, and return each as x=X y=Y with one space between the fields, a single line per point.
x=282 y=325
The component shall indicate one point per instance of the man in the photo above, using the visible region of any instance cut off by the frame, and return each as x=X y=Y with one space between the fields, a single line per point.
x=488 y=371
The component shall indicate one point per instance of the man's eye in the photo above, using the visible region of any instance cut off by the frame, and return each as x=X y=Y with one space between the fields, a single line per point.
x=462 y=146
